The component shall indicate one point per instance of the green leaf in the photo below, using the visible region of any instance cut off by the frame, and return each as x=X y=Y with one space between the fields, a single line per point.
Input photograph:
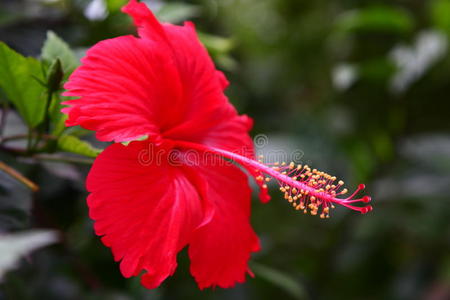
x=19 y=79
x=177 y=12
x=55 y=48
x=280 y=279
x=440 y=14
x=378 y=70
x=376 y=19
x=141 y=138
x=115 y=5
x=69 y=143
x=219 y=48
x=216 y=44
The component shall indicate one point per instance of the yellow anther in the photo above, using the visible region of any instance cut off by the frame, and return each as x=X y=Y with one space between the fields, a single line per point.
x=264 y=186
x=260 y=178
x=317 y=184
x=268 y=179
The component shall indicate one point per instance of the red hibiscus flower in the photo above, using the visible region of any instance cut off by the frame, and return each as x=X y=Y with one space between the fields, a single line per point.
x=174 y=184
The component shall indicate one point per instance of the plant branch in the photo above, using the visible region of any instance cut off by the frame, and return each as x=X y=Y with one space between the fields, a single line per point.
x=13 y=138
x=19 y=177
x=62 y=158
x=5 y=110
x=49 y=157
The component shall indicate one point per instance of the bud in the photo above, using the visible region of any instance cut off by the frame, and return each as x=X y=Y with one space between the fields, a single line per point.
x=55 y=75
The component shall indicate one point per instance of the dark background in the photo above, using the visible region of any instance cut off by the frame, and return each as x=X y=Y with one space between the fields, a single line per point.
x=360 y=87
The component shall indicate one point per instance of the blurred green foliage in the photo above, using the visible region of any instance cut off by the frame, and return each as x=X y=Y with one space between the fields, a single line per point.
x=360 y=87
x=19 y=79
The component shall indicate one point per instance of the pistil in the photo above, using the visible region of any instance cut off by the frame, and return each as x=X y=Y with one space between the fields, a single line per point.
x=303 y=187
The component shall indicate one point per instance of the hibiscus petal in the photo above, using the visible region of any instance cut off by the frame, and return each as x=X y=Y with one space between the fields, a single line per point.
x=161 y=85
x=220 y=128
x=144 y=208
x=203 y=85
x=147 y=24
x=125 y=85
x=220 y=250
